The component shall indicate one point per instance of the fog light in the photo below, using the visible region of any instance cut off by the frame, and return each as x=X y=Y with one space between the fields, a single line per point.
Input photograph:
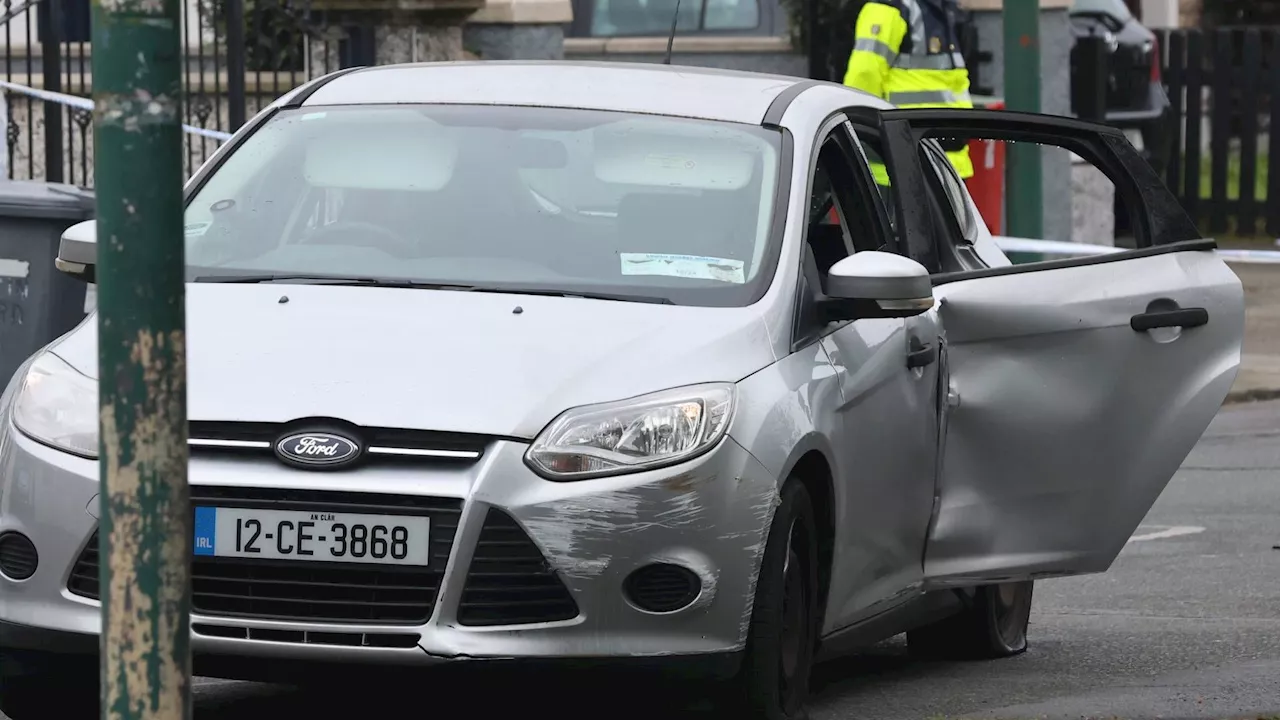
x=662 y=588
x=18 y=558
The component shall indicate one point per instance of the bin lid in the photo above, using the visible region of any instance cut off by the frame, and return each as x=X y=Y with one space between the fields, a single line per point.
x=31 y=199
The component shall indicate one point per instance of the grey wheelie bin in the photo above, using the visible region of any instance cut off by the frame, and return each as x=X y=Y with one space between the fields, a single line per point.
x=37 y=302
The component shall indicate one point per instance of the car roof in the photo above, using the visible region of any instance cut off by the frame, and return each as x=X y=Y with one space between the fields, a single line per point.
x=695 y=92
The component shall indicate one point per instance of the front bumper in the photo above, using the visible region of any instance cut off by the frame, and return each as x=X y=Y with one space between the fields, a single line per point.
x=709 y=515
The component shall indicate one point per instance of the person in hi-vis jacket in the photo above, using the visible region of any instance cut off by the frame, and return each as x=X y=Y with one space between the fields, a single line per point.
x=907 y=52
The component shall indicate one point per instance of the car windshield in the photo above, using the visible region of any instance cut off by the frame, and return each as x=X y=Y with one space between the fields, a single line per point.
x=1114 y=8
x=495 y=198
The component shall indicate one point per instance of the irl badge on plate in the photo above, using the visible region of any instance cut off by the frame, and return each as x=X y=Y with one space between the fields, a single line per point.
x=206 y=526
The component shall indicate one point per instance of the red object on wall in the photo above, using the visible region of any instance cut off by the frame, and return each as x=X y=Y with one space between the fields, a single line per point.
x=987 y=184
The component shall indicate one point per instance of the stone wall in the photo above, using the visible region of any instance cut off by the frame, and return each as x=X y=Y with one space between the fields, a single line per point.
x=753 y=54
x=518 y=30
x=1055 y=99
x=1191 y=12
x=1161 y=13
x=1093 y=196
x=508 y=41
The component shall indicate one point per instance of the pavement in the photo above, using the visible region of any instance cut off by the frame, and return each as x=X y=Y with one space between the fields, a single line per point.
x=1259 y=377
x=1185 y=626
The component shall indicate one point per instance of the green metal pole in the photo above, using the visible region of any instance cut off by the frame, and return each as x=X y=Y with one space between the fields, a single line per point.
x=1024 y=195
x=146 y=516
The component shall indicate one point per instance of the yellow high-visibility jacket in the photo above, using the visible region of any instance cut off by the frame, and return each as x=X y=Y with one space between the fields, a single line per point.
x=907 y=52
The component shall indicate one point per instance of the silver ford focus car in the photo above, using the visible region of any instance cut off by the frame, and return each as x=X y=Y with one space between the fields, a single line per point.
x=616 y=363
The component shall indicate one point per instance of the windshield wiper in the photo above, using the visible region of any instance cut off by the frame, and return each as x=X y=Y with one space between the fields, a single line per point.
x=589 y=295
x=424 y=285
x=328 y=280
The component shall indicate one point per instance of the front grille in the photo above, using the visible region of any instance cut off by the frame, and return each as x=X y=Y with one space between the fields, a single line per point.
x=510 y=582
x=309 y=637
x=256 y=432
x=309 y=591
x=84 y=574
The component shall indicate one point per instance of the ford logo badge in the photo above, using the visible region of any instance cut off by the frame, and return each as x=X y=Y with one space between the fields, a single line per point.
x=317 y=449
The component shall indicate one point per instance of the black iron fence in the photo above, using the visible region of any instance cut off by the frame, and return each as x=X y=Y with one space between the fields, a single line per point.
x=238 y=56
x=1225 y=90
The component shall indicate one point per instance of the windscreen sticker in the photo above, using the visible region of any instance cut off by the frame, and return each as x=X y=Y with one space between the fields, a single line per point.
x=193 y=230
x=685 y=266
x=314 y=116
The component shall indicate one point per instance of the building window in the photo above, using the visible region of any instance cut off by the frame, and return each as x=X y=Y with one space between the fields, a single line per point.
x=622 y=18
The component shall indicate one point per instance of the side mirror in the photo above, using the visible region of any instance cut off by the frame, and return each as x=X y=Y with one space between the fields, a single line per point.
x=879 y=284
x=78 y=251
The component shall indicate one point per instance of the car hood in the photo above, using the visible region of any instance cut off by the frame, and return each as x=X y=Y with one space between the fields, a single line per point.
x=438 y=360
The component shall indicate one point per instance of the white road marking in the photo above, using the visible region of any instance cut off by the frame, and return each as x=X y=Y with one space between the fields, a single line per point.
x=1169 y=531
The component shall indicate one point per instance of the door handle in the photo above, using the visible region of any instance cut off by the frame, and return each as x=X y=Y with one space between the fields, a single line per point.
x=921 y=355
x=1179 y=318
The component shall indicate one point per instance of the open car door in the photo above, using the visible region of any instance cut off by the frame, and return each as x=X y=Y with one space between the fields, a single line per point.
x=1077 y=387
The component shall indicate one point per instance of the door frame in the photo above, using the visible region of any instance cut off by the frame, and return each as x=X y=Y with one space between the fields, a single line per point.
x=1159 y=221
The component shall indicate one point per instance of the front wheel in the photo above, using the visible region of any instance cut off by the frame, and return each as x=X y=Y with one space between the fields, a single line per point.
x=992 y=625
x=773 y=683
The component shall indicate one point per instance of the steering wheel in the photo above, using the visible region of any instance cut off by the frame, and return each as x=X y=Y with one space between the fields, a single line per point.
x=361 y=234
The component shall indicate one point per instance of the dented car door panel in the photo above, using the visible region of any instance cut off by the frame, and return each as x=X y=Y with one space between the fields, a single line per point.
x=1070 y=415
x=1075 y=388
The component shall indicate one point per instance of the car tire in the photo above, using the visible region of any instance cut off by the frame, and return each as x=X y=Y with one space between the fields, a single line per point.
x=773 y=682
x=66 y=688
x=992 y=625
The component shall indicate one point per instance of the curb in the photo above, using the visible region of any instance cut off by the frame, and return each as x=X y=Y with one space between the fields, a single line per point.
x=1255 y=395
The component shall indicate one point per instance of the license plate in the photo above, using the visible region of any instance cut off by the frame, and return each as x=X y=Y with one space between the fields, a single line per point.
x=313 y=536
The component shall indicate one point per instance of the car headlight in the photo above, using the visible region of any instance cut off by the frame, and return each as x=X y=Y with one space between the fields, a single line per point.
x=632 y=435
x=58 y=406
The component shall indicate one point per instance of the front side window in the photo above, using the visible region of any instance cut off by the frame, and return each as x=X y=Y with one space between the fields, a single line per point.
x=621 y=18
x=490 y=197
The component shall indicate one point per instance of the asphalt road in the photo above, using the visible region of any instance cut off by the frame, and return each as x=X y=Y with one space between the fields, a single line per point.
x=1186 y=625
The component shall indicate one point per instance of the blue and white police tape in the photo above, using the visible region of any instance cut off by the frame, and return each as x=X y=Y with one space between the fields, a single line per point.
x=1057 y=247
x=81 y=103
